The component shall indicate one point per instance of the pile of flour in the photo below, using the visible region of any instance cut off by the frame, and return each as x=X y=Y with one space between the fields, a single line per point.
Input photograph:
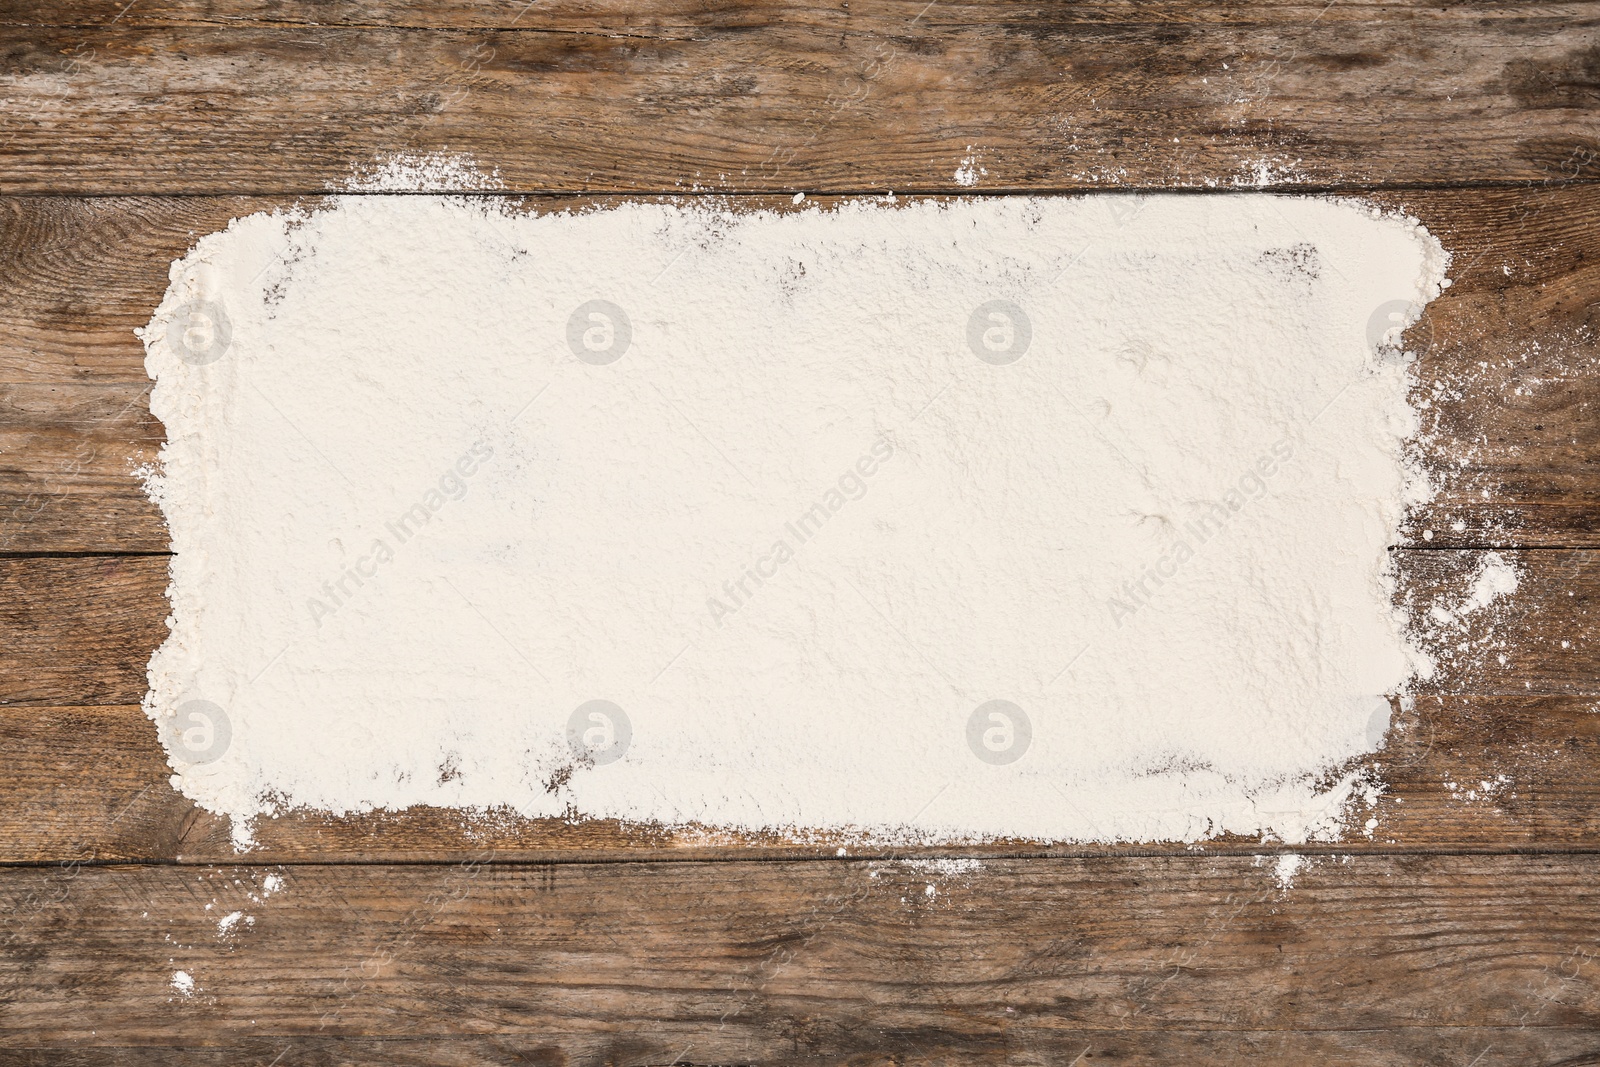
x=1050 y=518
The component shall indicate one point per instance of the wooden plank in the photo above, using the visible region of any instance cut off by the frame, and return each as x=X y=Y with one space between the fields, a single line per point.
x=1387 y=1047
x=90 y=785
x=1545 y=639
x=83 y=628
x=80 y=626
x=1020 y=962
x=86 y=785
x=67 y=460
x=659 y=17
x=1492 y=754
x=1512 y=441
x=752 y=101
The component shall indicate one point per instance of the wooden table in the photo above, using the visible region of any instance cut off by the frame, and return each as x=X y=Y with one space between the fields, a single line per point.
x=1464 y=931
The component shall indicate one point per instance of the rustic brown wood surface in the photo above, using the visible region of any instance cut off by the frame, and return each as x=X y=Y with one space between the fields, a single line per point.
x=1377 y=960
x=1463 y=930
x=828 y=97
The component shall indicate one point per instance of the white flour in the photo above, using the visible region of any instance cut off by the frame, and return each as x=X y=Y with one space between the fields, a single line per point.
x=1048 y=518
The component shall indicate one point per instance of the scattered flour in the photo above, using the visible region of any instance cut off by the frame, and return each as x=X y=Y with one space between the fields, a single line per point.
x=183 y=982
x=968 y=173
x=1035 y=518
x=228 y=922
x=1287 y=867
x=1260 y=173
x=946 y=867
x=1485 y=789
x=436 y=172
x=1496 y=577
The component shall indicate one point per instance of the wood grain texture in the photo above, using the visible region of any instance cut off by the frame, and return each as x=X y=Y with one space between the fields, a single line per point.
x=1501 y=749
x=1017 y=962
x=86 y=784
x=658 y=17
x=1388 y=951
x=1509 y=368
x=1387 y=1047
x=1461 y=773
x=85 y=627
x=833 y=99
x=67 y=460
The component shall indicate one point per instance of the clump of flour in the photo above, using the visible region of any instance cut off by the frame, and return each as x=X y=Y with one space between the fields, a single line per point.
x=1287 y=867
x=1495 y=577
x=1061 y=519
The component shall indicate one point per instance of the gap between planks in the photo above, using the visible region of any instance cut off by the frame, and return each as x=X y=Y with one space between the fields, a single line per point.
x=736 y=854
x=1277 y=188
